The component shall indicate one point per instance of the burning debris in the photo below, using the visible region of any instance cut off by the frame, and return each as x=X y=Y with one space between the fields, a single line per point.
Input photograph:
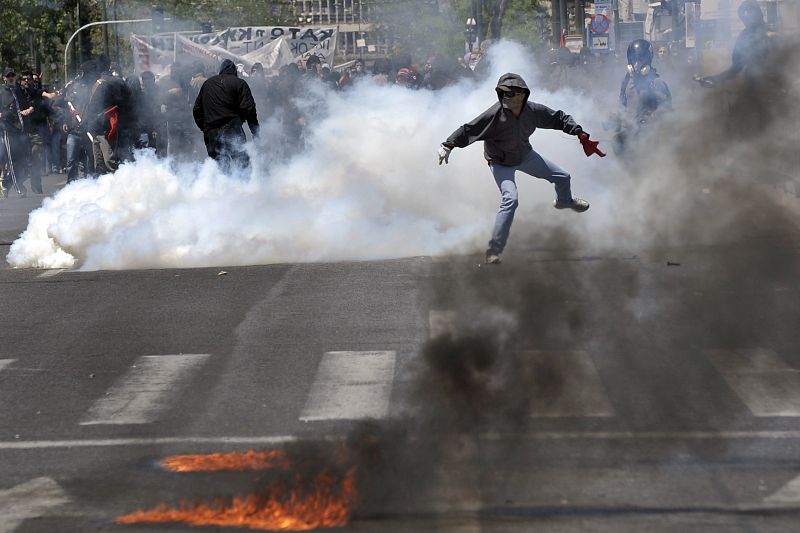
x=233 y=461
x=302 y=502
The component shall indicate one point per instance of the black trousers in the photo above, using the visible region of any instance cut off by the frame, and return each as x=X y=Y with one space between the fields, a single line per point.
x=225 y=144
x=21 y=158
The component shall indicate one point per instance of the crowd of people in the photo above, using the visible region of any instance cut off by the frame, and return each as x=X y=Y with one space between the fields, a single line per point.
x=100 y=118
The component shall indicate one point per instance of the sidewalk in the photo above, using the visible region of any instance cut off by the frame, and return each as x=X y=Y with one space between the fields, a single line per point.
x=14 y=211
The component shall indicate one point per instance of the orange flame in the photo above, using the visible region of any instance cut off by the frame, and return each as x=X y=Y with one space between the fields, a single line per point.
x=328 y=503
x=218 y=462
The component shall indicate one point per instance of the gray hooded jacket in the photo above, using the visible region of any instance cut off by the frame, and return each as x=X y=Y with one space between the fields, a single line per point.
x=505 y=136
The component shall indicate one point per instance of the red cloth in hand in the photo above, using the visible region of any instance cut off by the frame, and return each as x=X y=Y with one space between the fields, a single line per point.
x=113 y=118
x=590 y=147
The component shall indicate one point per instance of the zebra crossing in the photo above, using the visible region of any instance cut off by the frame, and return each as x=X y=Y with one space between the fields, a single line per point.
x=145 y=390
x=354 y=385
x=351 y=385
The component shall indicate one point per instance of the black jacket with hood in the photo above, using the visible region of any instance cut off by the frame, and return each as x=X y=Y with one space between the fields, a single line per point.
x=224 y=98
x=505 y=136
x=751 y=52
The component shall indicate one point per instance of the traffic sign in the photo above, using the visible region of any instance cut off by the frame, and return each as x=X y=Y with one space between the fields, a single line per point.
x=600 y=23
x=600 y=42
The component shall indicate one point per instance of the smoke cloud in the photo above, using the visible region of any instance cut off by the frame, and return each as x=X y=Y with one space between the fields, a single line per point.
x=688 y=246
x=367 y=186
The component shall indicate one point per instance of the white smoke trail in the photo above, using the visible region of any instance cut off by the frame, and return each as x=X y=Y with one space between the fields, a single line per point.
x=369 y=187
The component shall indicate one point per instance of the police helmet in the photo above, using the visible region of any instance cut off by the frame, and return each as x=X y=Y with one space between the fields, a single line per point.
x=640 y=56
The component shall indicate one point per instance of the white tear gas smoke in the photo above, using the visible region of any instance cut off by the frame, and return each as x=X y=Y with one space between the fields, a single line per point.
x=367 y=187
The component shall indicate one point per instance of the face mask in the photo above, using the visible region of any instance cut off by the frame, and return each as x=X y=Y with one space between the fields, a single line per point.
x=644 y=70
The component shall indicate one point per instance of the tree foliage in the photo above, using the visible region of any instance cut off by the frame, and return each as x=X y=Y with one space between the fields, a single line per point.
x=34 y=32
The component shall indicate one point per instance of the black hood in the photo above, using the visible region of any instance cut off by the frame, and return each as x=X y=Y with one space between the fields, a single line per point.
x=228 y=67
x=509 y=79
x=750 y=14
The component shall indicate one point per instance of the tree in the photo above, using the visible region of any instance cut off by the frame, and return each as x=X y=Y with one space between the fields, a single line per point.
x=515 y=19
x=417 y=28
x=33 y=34
x=497 y=12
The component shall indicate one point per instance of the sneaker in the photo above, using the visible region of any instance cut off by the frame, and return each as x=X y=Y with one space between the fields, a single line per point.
x=576 y=205
x=493 y=258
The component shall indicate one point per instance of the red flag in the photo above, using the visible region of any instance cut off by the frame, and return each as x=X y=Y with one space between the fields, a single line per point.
x=113 y=118
x=563 y=42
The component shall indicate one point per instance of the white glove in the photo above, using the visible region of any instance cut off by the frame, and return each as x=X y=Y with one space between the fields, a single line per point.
x=444 y=154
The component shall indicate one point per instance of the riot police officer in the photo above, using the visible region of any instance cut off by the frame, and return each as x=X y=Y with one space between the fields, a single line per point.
x=643 y=95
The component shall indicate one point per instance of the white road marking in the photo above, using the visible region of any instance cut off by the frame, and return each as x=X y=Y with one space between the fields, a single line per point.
x=281 y=439
x=29 y=500
x=440 y=323
x=144 y=391
x=5 y=362
x=351 y=386
x=156 y=441
x=51 y=273
x=789 y=493
x=568 y=385
x=761 y=379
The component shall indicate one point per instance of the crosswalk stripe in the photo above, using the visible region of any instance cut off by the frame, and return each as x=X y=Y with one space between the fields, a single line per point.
x=762 y=380
x=143 y=392
x=567 y=385
x=351 y=385
x=51 y=273
x=30 y=499
x=5 y=362
x=789 y=493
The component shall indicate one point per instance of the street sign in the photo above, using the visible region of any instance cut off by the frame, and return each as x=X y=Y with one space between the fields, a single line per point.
x=600 y=23
x=600 y=42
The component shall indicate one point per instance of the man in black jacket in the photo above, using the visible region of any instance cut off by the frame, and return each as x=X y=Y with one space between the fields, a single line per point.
x=223 y=105
x=505 y=128
x=16 y=145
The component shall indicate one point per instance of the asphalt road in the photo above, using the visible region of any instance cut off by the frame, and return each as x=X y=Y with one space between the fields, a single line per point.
x=563 y=390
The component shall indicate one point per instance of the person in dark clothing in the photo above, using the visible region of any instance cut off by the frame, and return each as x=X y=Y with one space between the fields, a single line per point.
x=151 y=120
x=223 y=105
x=504 y=129
x=175 y=93
x=35 y=126
x=79 y=142
x=106 y=114
x=643 y=95
x=16 y=145
x=130 y=127
x=751 y=50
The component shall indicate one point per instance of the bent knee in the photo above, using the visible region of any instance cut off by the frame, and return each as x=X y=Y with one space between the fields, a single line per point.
x=509 y=203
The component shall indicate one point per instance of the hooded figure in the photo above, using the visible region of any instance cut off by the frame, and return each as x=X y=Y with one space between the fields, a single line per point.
x=751 y=51
x=504 y=129
x=222 y=106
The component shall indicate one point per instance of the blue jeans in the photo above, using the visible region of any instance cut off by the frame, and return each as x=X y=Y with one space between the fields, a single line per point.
x=533 y=165
x=55 y=149
x=79 y=152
